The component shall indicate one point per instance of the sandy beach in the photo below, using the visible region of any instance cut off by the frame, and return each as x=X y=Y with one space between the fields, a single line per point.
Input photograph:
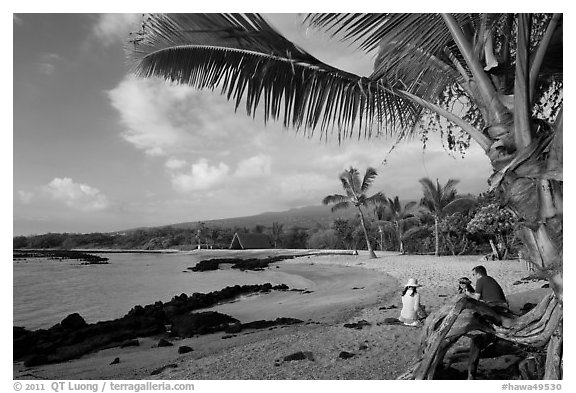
x=339 y=290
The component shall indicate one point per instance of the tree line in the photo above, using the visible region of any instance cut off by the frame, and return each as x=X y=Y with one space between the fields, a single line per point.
x=442 y=222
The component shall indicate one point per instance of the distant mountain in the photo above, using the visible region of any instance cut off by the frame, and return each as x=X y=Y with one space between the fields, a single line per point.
x=303 y=217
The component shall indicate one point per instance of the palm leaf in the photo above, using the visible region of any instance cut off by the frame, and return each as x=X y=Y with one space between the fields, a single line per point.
x=412 y=48
x=250 y=61
x=341 y=206
x=416 y=232
x=351 y=182
x=459 y=205
x=407 y=223
x=431 y=199
x=375 y=199
x=335 y=198
x=448 y=192
x=409 y=206
x=369 y=177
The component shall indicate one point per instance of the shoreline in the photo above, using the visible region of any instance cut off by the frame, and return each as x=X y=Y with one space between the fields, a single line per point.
x=379 y=351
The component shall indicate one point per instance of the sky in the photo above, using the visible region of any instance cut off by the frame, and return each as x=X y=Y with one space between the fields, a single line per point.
x=96 y=149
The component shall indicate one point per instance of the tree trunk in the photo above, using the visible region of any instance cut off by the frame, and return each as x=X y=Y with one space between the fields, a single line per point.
x=538 y=328
x=437 y=237
x=494 y=250
x=370 y=250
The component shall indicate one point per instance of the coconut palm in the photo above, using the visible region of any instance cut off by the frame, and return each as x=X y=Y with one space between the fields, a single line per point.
x=495 y=79
x=440 y=201
x=356 y=196
x=394 y=217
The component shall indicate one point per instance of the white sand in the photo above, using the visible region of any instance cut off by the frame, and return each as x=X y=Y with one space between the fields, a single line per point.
x=339 y=295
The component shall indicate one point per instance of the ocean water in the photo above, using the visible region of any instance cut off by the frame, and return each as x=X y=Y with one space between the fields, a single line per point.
x=46 y=291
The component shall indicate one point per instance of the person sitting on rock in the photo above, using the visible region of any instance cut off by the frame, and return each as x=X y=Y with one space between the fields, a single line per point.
x=411 y=307
x=465 y=285
x=487 y=289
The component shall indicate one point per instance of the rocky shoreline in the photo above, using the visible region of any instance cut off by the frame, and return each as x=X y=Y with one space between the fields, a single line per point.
x=87 y=259
x=73 y=337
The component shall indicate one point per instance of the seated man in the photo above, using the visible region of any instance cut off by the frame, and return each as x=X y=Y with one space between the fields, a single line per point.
x=487 y=289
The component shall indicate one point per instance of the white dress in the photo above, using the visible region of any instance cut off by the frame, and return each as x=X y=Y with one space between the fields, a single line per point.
x=410 y=305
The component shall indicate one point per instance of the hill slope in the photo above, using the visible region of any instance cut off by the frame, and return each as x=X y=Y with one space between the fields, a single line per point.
x=303 y=217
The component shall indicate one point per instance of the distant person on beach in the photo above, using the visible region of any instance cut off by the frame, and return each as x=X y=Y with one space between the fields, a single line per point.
x=487 y=289
x=412 y=310
x=465 y=285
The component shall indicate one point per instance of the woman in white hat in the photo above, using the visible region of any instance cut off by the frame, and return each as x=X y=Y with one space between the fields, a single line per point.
x=410 y=303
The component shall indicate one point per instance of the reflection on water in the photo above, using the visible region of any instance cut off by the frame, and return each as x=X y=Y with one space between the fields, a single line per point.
x=46 y=291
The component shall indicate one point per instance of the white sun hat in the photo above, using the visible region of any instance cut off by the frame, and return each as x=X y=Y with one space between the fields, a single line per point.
x=412 y=283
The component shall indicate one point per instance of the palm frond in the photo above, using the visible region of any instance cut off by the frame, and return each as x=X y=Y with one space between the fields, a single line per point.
x=369 y=177
x=448 y=191
x=341 y=206
x=431 y=199
x=250 y=61
x=375 y=199
x=335 y=198
x=416 y=232
x=351 y=182
x=459 y=205
x=409 y=206
x=407 y=223
x=412 y=48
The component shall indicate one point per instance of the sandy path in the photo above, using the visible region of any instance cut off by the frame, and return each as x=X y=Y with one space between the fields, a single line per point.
x=380 y=351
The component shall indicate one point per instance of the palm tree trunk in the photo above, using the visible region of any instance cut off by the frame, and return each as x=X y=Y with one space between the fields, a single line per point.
x=370 y=250
x=437 y=236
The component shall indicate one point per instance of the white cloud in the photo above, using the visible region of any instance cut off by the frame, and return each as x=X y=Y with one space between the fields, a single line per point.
x=76 y=195
x=254 y=167
x=174 y=163
x=172 y=120
x=25 y=196
x=201 y=176
x=112 y=28
x=146 y=108
x=47 y=66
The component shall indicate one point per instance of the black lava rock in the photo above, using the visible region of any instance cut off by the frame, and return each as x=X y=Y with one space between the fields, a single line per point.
x=206 y=322
x=130 y=343
x=299 y=356
x=164 y=343
x=184 y=349
x=357 y=325
x=73 y=322
x=346 y=355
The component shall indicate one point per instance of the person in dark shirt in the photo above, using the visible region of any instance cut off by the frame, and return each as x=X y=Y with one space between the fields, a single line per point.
x=487 y=289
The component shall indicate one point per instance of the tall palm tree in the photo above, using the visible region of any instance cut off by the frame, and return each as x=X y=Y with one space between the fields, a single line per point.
x=440 y=201
x=394 y=217
x=504 y=70
x=356 y=196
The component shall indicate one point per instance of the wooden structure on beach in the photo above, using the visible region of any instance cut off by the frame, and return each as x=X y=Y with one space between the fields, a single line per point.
x=244 y=241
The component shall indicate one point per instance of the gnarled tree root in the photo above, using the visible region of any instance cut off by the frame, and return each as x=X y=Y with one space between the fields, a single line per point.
x=492 y=331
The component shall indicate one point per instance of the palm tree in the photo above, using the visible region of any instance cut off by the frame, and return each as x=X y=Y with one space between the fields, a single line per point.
x=504 y=70
x=394 y=217
x=440 y=201
x=356 y=196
